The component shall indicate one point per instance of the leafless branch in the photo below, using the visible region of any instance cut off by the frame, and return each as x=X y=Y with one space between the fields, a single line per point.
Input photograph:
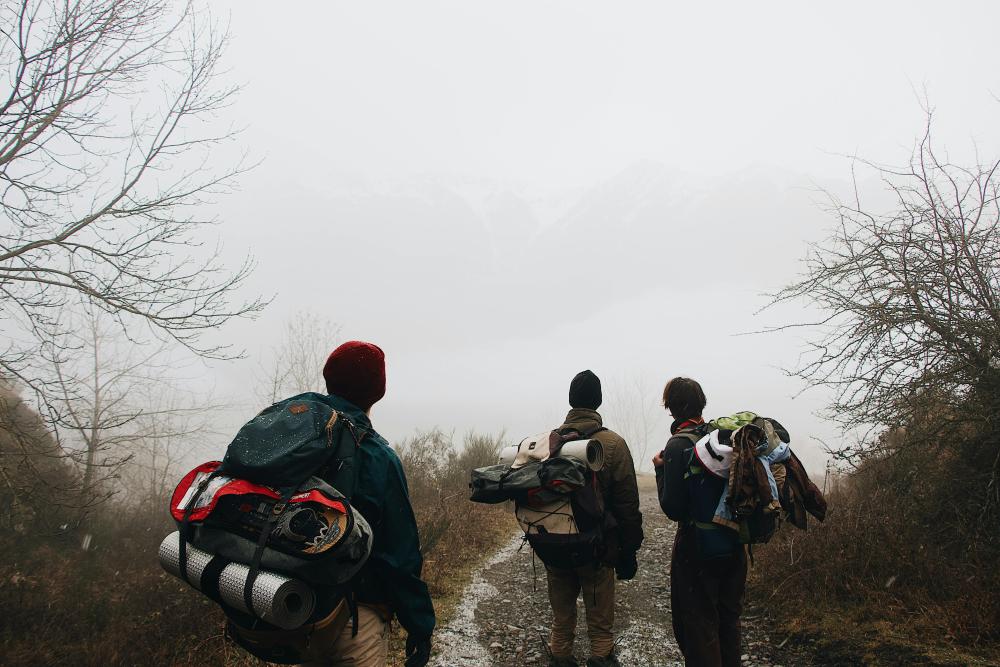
x=106 y=133
x=909 y=332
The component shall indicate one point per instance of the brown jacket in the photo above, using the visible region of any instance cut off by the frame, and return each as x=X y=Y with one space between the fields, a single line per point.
x=617 y=480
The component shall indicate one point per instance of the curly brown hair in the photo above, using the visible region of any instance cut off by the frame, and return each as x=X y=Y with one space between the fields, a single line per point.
x=684 y=398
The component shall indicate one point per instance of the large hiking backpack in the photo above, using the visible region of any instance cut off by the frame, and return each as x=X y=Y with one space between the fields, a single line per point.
x=280 y=500
x=564 y=522
x=709 y=458
x=704 y=488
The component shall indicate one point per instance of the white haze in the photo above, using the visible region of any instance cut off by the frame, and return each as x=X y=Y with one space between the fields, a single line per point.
x=503 y=194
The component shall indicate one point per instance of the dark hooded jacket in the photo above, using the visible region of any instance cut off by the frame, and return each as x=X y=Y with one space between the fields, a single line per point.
x=671 y=489
x=617 y=481
x=391 y=576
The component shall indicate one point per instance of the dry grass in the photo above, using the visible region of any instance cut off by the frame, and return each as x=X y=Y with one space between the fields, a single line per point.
x=113 y=605
x=904 y=559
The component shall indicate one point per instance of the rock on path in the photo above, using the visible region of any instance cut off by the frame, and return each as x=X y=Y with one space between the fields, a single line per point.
x=504 y=616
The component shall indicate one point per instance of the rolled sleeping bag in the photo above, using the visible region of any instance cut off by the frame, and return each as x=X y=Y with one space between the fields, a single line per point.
x=589 y=451
x=508 y=454
x=282 y=601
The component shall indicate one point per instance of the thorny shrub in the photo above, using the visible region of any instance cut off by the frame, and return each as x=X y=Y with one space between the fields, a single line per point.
x=907 y=545
x=907 y=337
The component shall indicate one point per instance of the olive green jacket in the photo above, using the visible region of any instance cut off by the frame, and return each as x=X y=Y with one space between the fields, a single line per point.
x=617 y=481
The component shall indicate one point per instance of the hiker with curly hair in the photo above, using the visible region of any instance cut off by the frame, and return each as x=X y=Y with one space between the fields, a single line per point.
x=708 y=568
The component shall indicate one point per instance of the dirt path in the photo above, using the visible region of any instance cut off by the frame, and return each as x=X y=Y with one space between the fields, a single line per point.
x=504 y=616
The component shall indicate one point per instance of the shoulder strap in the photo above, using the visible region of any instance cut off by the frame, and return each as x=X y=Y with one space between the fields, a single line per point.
x=258 y=554
x=185 y=529
x=690 y=467
x=688 y=435
x=344 y=439
x=568 y=434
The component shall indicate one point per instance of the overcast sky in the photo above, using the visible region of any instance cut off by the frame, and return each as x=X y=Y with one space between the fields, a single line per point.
x=503 y=194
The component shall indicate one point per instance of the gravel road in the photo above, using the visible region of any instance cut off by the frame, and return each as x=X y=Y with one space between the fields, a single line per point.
x=503 y=617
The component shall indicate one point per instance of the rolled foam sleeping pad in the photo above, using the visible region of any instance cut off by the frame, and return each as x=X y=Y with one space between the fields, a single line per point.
x=277 y=599
x=589 y=451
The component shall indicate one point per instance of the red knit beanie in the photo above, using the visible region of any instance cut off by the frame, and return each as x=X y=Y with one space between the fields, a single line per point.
x=355 y=371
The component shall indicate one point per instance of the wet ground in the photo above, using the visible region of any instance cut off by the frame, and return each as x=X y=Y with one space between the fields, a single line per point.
x=504 y=616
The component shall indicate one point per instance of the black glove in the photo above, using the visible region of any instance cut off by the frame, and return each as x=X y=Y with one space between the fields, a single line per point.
x=418 y=651
x=626 y=566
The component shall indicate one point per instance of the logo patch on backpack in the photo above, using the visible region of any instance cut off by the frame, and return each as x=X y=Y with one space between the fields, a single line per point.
x=298 y=408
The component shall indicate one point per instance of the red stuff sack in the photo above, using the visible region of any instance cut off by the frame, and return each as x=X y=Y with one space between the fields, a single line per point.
x=317 y=537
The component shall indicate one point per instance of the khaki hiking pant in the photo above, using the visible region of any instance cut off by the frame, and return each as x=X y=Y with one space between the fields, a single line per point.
x=597 y=584
x=369 y=649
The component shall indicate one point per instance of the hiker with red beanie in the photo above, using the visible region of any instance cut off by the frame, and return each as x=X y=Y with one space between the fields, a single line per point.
x=389 y=583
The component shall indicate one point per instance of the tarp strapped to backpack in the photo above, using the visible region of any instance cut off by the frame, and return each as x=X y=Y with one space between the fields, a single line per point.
x=557 y=499
x=537 y=481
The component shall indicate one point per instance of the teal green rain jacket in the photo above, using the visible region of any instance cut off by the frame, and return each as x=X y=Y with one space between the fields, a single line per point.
x=392 y=574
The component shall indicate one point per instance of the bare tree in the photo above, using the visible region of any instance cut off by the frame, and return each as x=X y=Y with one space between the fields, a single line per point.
x=910 y=332
x=105 y=137
x=634 y=410
x=296 y=363
x=118 y=401
x=172 y=428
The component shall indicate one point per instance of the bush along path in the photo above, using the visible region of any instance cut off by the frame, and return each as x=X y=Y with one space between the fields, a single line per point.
x=503 y=617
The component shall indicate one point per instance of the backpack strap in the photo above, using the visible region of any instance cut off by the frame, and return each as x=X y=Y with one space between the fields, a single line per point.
x=591 y=433
x=352 y=605
x=184 y=534
x=338 y=457
x=714 y=454
x=353 y=430
x=693 y=438
x=688 y=435
x=350 y=595
x=258 y=554
x=568 y=435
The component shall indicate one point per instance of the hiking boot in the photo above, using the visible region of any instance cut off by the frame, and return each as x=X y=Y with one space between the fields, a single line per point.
x=610 y=661
x=563 y=662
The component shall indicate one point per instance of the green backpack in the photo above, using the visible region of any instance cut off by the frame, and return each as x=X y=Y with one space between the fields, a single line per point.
x=283 y=447
x=293 y=440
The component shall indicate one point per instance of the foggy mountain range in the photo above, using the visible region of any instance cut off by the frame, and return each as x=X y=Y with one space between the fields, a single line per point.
x=495 y=294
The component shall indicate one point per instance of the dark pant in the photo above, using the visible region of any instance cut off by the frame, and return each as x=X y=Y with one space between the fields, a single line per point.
x=706 y=599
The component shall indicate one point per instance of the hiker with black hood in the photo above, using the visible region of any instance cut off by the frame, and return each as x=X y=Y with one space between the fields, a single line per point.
x=389 y=583
x=596 y=581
